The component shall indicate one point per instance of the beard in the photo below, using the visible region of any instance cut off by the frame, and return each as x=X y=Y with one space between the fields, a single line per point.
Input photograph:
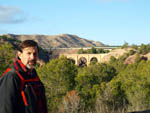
x=31 y=64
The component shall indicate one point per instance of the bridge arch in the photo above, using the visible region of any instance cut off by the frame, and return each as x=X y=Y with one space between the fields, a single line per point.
x=72 y=60
x=94 y=60
x=82 y=62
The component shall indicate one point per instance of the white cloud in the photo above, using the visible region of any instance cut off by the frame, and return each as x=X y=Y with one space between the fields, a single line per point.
x=11 y=15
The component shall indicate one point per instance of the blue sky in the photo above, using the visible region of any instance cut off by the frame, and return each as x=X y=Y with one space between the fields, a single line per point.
x=111 y=22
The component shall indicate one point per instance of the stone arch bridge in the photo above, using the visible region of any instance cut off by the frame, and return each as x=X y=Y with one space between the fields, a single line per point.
x=79 y=59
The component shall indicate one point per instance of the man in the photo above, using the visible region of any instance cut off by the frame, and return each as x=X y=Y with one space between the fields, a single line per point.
x=21 y=90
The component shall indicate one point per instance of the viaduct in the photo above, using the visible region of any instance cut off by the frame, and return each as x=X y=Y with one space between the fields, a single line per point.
x=79 y=59
x=84 y=59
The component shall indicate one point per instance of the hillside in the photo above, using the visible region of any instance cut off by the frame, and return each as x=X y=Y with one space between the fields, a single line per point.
x=58 y=41
x=43 y=56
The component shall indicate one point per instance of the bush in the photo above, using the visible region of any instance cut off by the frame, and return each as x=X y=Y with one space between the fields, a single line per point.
x=88 y=82
x=58 y=76
x=7 y=53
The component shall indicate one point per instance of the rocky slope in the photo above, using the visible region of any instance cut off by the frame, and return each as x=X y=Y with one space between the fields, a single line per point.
x=58 y=41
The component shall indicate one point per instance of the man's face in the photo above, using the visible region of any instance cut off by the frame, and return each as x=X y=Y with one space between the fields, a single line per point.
x=29 y=56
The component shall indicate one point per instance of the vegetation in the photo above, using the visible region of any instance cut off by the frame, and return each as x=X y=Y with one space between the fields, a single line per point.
x=89 y=80
x=58 y=76
x=125 y=45
x=93 y=50
x=144 y=49
x=114 y=87
x=7 y=54
x=97 y=88
x=100 y=88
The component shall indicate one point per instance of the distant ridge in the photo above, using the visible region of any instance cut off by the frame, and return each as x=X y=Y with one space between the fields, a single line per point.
x=58 y=41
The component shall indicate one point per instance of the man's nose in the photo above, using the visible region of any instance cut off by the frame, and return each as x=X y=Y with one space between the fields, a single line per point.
x=32 y=56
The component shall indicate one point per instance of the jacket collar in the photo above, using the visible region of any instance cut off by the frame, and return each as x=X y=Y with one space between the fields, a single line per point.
x=21 y=65
x=21 y=68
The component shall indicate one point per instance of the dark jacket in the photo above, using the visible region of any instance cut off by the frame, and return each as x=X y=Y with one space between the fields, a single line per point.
x=11 y=98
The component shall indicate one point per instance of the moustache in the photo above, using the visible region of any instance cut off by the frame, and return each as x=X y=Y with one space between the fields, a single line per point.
x=32 y=61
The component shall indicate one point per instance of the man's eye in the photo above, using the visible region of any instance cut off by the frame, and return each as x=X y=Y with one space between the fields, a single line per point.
x=35 y=54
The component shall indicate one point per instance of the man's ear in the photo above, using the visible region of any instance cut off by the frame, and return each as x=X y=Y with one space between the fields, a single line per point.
x=19 y=54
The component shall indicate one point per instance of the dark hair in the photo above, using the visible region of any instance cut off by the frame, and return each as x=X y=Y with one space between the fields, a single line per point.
x=27 y=43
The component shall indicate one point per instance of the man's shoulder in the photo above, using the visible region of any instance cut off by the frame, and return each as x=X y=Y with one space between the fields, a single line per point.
x=9 y=82
x=11 y=74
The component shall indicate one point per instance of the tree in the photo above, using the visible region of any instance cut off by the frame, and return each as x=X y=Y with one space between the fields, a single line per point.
x=135 y=86
x=58 y=76
x=71 y=103
x=144 y=49
x=112 y=98
x=7 y=53
x=134 y=46
x=81 y=51
x=89 y=79
x=93 y=50
x=125 y=45
x=118 y=64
